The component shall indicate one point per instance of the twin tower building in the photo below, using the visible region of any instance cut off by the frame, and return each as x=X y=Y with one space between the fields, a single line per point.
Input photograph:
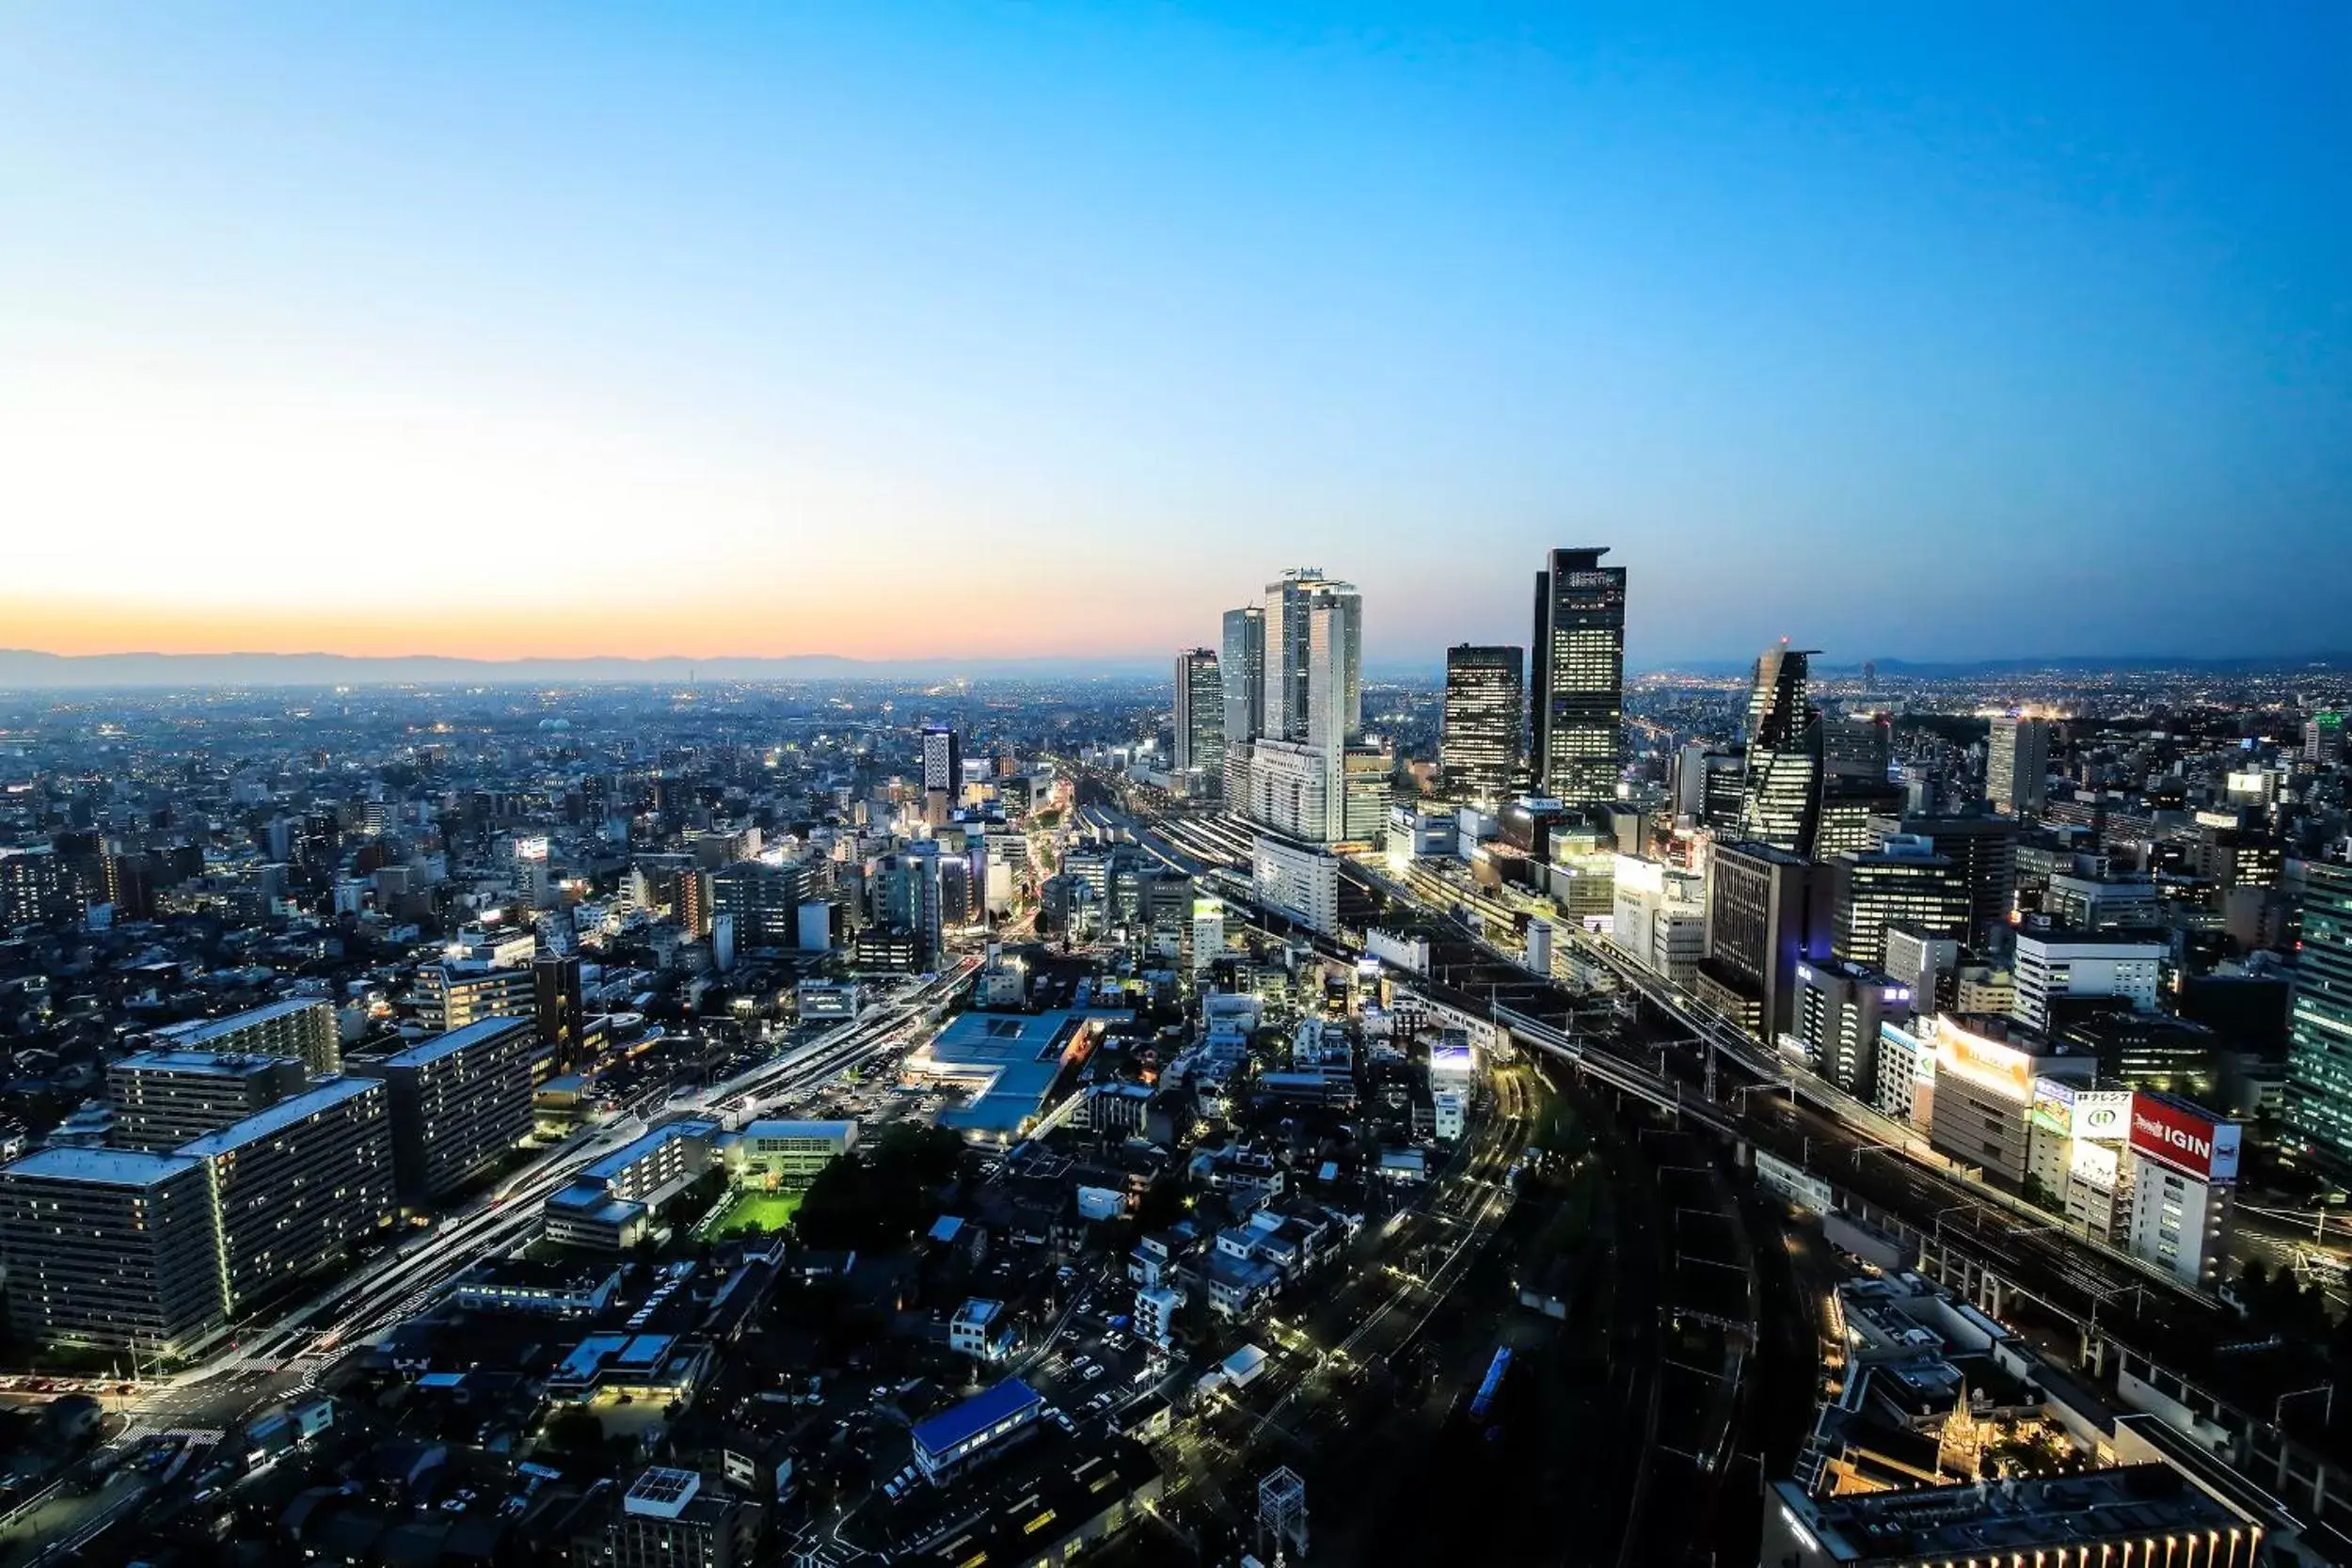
x=1273 y=719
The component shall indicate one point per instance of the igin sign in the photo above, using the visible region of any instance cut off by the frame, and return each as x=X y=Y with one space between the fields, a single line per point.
x=2176 y=1134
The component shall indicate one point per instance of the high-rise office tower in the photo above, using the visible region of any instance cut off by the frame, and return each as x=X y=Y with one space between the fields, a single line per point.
x=1576 y=678
x=1484 y=717
x=1199 y=714
x=1314 y=705
x=1241 y=662
x=1781 y=801
x=1857 y=746
x=2017 y=764
x=1904 y=883
x=1762 y=917
x=943 y=759
x=1288 y=629
x=2323 y=739
x=2319 y=1028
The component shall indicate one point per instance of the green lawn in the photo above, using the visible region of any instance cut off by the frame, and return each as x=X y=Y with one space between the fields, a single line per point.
x=756 y=1210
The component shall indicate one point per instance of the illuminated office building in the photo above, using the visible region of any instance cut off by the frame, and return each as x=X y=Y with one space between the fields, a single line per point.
x=1576 y=678
x=1905 y=883
x=1200 y=715
x=2320 y=1027
x=2017 y=764
x=1484 y=720
x=1780 y=799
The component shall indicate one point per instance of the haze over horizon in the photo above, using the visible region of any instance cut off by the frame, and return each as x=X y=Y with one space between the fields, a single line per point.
x=1046 y=332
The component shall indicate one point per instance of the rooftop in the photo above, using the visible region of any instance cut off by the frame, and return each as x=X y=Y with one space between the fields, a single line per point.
x=960 y=1423
x=209 y=1063
x=616 y=1164
x=212 y=1028
x=106 y=1167
x=285 y=1113
x=455 y=1040
x=2148 y=1500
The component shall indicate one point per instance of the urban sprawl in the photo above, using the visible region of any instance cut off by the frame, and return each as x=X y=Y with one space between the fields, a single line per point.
x=1826 y=1116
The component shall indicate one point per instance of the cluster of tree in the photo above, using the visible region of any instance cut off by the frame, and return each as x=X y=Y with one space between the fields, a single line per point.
x=882 y=1194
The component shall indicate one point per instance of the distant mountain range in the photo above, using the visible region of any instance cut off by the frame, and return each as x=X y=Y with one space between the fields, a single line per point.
x=24 y=669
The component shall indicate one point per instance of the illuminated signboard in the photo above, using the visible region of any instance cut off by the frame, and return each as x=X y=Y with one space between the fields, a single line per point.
x=1636 y=875
x=2096 y=1164
x=2103 y=1115
x=2003 y=1068
x=2176 y=1134
x=2054 y=1104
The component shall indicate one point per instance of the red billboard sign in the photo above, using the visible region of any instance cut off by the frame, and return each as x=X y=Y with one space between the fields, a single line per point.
x=2179 y=1134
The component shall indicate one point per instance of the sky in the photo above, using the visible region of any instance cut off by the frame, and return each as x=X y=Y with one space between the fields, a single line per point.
x=982 y=331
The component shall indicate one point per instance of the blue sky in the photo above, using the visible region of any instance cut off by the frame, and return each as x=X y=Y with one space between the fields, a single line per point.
x=899 y=329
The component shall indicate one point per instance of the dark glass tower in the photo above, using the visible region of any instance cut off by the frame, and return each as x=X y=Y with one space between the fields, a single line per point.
x=1576 y=709
x=1486 y=714
x=1781 y=802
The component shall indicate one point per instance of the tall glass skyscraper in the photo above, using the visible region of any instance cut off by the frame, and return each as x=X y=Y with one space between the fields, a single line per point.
x=1241 y=663
x=1780 y=804
x=1199 y=714
x=1484 y=717
x=1576 y=678
x=2319 y=1039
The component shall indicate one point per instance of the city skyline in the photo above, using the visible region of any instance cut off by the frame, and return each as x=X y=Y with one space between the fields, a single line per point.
x=451 y=335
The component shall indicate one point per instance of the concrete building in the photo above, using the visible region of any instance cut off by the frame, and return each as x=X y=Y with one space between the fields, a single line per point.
x=672 y=1519
x=789 y=1154
x=459 y=994
x=1299 y=880
x=611 y=1203
x=2150 y=1513
x=2017 y=765
x=2053 y=963
x=1761 y=915
x=1986 y=1070
x=162 y=1099
x=460 y=1101
x=1658 y=917
x=111 y=1249
x=1840 y=1010
x=300 y=1184
x=1904 y=883
x=764 y=901
x=949 y=1442
x=301 y=1028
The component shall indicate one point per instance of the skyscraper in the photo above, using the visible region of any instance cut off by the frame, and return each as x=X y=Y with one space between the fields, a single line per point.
x=1780 y=804
x=2017 y=764
x=2319 y=1030
x=943 y=759
x=1575 y=677
x=1484 y=717
x=1314 y=705
x=1200 y=715
x=1241 y=662
x=1288 y=626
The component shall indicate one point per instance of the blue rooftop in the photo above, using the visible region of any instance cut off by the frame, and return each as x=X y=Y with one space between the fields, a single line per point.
x=263 y=1124
x=960 y=1423
x=456 y=1039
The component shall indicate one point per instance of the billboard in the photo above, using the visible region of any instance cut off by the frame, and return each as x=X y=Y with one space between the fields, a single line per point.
x=2054 y=1104
x=2103 y=1115
x=2177 y=1133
